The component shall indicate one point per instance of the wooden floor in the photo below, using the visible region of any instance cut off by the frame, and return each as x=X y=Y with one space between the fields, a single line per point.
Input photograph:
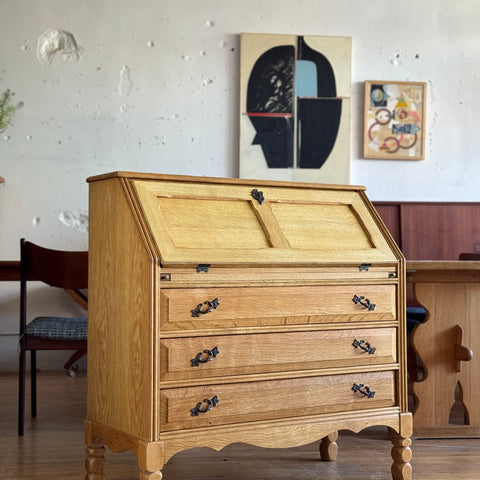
x=53 y=448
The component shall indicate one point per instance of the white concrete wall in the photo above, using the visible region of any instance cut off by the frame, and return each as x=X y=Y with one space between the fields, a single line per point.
x=155 y=88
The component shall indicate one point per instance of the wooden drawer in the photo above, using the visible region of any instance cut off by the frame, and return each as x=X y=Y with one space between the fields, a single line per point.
x=273 y=306
x=197 y=357
x=265 y=400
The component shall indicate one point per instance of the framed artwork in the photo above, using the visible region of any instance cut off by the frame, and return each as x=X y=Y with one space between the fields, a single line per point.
x=394 y=123
x=295 y=107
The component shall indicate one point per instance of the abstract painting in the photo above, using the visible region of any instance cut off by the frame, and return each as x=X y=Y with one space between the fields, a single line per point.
x=394 y=122
x=295 y=107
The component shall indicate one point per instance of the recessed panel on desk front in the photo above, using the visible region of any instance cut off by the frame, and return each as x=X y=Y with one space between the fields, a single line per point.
x=315 y=226
x=221 y=224
x=211 y=223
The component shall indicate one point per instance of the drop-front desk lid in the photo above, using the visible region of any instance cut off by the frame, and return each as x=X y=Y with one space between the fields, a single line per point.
x=219 y=221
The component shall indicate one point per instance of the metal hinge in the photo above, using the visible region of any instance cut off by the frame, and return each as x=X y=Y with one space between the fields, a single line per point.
x=364 y=267
x=165 y=277
x=203 y=267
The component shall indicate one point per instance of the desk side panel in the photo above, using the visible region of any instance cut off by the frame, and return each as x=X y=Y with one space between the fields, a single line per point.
x=120 y=348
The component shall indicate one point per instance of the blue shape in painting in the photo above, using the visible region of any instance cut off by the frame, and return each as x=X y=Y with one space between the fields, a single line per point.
x=305 y=78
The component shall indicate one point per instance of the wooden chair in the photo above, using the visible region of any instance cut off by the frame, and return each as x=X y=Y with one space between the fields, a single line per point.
x=63 y=269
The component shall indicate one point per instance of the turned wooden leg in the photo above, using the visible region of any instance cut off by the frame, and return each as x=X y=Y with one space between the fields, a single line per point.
x=329 y=447
x=150 y=457
x=95 y=461
x=401 y=454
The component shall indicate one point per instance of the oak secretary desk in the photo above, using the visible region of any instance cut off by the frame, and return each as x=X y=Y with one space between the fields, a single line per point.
x=226 y=310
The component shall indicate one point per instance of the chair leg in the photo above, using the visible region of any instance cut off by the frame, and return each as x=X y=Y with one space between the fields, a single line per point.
x=33 y=380
x=21 y=391
x=76 y=356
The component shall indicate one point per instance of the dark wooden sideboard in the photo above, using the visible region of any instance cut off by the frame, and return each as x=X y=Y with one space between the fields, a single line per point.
x=432 y=230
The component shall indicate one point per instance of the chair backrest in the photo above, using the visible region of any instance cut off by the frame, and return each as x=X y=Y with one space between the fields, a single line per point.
x=57 y=268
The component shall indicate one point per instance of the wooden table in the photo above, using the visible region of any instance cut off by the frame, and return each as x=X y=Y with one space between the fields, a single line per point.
x=447 y=344
x=9 y=270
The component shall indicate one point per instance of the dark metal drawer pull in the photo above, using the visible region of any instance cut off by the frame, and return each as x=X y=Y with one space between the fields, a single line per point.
x=366 y=303
x=366 y=390
x=211 y=306
x=211 y=355
x=366 y=348
x=211 y=403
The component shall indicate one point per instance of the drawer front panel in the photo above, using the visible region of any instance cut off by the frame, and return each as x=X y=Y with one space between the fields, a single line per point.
x=219 y=356
x=190 y=407
x=273 y=306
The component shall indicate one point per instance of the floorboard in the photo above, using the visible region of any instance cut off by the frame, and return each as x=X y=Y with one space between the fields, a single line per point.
x=53 y=447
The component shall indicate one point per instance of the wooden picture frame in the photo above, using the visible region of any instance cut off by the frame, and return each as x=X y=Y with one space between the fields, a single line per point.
x=394 y=120
x=295 y=102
